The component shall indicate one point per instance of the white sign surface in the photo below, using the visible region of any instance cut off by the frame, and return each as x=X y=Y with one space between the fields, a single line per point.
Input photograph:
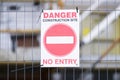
x=60 y=38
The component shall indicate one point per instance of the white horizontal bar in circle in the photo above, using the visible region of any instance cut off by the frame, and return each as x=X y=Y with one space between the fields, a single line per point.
x=59 y=40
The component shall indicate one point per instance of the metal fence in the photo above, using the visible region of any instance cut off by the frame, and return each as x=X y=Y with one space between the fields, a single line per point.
x=99 y=40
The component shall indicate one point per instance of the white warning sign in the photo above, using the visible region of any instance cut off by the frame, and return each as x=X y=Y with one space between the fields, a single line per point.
x=60 y=38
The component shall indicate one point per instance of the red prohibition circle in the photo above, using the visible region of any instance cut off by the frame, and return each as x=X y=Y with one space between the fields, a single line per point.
x=59 y=30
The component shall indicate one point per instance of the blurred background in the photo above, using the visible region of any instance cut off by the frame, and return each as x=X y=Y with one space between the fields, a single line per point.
x=20 y=39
